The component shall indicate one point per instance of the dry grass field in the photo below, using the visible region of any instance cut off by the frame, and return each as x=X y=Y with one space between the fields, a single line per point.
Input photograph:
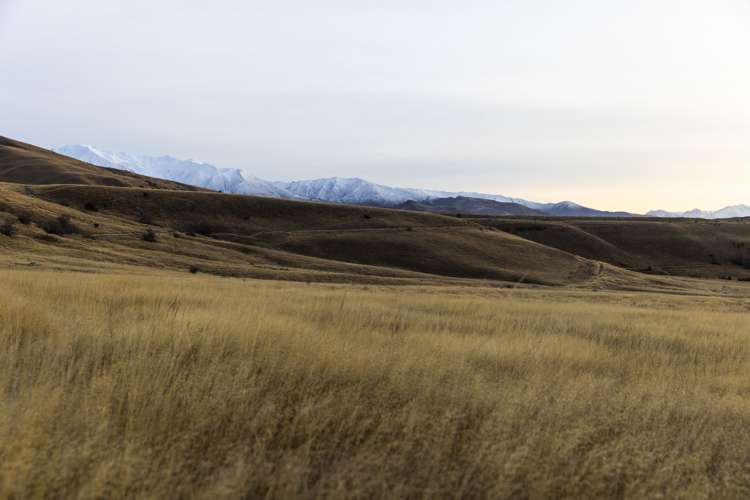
x=191 y=386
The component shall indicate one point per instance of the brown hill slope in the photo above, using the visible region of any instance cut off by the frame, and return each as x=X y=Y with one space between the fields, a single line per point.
x=388 y=239
x=466 y=205
x=94 y=225
x=26 y=164
x=682 y=247
x=262 y=237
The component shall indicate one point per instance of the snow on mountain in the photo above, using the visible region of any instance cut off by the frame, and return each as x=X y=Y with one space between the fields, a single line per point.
x=355 y=190
x=190 y=172
x=696 y=213
x=352 y=190
x=333 y=189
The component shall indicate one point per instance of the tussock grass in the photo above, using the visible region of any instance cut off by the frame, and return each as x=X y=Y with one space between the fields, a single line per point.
x=198 y=387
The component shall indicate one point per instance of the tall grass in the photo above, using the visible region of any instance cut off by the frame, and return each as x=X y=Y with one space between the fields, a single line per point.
x=196 y=387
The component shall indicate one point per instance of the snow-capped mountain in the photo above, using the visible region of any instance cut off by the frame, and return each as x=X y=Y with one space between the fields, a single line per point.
x=333 y=189
x=696 y=213
x=355 y=190
x=351 y=190
x=228 y=180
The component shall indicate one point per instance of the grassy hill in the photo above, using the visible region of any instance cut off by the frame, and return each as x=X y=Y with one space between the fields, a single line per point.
x=66 y=214
x=465 y=205
x=681 y=247
x=27 y=164
x=264 y=237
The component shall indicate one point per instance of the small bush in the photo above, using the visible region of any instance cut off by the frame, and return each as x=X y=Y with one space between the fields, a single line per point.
x=90 y=207
x=60 y=226
x=204 y=228
x=367 y=216
x=24 y=218
x=194 y=270
x=149 y=236
x=8 y=228
x=741 y=261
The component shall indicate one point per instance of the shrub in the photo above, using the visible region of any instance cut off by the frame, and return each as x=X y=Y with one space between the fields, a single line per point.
x=24 y=218
x=7 y=228
x=204 y=228
x=149 y=236
x=90 y=207
x=742 y=261
x=367 y=216
x=194 y=270
x=60 y=226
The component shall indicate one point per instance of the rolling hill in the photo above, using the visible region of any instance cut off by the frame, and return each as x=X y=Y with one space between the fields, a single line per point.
x=67 y=214
x=465 y=205
x=332 y=189
x=27 y=164
x=681 y=247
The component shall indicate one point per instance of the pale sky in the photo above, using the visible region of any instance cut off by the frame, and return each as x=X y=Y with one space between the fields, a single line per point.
x=616 y=104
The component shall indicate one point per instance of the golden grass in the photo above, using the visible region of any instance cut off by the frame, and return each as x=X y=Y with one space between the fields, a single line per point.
x=170 y=386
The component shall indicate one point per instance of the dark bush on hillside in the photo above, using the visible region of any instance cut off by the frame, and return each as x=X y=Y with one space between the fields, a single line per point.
x=149 y=236
x=90 y=207
x=204 y=228
x=742 y=261
x=60 y=226
x=23 y=217
x=367 y=216
x=8 y=228
x=194 y=270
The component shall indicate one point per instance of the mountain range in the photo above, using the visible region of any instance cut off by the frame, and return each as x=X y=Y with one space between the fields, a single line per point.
x=346 y=190
x=464 y=205
x=696 y=213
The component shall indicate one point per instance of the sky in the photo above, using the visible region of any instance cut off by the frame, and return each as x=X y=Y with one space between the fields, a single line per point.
x=618 y=104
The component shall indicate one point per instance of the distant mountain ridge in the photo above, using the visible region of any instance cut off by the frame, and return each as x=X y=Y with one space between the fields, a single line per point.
x=227 y=180
x=696 y=213
x=465 y=205
x=334 y=189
